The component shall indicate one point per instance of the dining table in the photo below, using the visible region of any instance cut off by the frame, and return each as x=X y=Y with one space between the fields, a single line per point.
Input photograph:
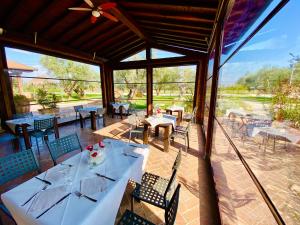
x=167 y=122
x=177 y=109
x=78 y=192
x=119 y=107
x=22 y=126
x=90 y=111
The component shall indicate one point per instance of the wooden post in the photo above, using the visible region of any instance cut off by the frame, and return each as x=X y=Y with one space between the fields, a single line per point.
x=200 y=89
x=149 y=69
x=107 y=75
x=93 y=120
x=103 y=87
x=214 y=89
x=7 y=106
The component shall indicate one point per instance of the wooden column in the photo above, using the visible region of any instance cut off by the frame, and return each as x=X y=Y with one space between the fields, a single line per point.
x=109 y=85
x=149 y=70
x=103 y=87
x=200 y=88
x=6 y=97
x=214 y=89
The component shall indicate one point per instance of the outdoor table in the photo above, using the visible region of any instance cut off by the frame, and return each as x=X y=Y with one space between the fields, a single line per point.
x=277 y=133
x=178 y=109
x=157 y=121
x=119 y=107
x=85 y=112
x=80 y=177
x=26 y=124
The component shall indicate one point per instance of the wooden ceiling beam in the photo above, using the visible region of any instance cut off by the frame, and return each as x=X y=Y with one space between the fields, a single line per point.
x=128 y=52
x=19 y=40
x=187 y=17
x=102 y=37
x=130 y=23
x=180 y=37
x=116 y=42
x=202 y=29
x=99 y=28
x=179 y=40
x=123 y=48
x=178 y=32
x=186 y=46
x=179 y=50
x=200 y=9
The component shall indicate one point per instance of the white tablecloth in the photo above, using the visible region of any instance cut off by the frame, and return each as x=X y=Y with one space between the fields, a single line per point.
x=85 y=112
x=166 y=119
x=278 y=132
x=238 y=112
x=176 y=108
x=118 y=104
x=80 y=211
x=28 y=120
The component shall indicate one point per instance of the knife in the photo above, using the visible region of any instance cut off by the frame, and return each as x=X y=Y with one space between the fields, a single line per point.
x=100 y=175
x=60 y=200
x=45 y=181
x=130 y=155
x=43 y=189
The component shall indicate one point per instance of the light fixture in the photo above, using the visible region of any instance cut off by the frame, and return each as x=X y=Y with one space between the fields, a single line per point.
x=95 y=13
x=1 y=31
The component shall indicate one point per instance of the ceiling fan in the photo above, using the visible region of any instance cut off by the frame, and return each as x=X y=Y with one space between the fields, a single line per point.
x=98 y=11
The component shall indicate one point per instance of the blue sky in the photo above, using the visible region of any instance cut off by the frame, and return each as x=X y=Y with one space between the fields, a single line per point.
x=270 y=47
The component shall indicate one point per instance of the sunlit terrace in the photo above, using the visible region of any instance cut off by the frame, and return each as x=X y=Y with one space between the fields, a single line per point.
x=145 y=112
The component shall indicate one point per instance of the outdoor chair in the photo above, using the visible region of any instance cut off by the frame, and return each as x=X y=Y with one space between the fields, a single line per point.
x=130 y=217
x=154 y=189
x=140 y=116
x=62 y=146
x=22 y=115
x=190 y=116
x=14 y=166
x=42 y=128
x=76 y=108
x=133 y=126
x=183 y=133
x=101 y=114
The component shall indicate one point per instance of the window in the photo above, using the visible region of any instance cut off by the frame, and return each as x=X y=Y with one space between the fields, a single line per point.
x=174 y=86
x=258 y=111
x=159 y=54
x=130 y=86
x=46 y=84
x=138 y=56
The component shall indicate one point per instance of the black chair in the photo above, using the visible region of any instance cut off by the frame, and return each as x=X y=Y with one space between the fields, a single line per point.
x=16 y=165
x=183 y=133
x=62 y=146
x=76 y=108
x=154 y=189
x=130 y=218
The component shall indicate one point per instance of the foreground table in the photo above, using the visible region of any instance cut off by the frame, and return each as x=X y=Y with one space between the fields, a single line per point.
x=81 y=211
x=166 y=122
x=21 y=126
x=89 y=111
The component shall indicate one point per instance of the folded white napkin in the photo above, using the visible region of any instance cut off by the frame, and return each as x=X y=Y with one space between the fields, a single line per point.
x=46 y=199
x=93 y=185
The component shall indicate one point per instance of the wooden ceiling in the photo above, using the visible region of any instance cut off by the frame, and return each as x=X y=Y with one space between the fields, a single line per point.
x=175 y=25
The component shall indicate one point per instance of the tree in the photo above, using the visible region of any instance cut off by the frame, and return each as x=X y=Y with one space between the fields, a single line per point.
x=164 y=75
x=67 y=69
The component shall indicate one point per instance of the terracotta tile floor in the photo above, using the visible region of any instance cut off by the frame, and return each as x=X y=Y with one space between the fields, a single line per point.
x=197 y=200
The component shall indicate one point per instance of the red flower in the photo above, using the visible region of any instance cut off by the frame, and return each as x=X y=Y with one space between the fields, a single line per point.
x=89 y=147
x=94 y=154
x=101 y=144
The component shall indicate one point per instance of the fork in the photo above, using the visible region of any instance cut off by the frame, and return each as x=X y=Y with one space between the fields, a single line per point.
x=130 y=155
x=79 y=194
x=43 y=189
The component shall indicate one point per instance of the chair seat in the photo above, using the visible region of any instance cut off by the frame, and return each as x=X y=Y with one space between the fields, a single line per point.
x=138 y=130
x=181 y=129
x=41 y=133
x=151 y=190
x=130 y=218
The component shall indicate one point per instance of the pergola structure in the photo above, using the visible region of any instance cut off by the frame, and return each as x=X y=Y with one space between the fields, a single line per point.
x=194 y=29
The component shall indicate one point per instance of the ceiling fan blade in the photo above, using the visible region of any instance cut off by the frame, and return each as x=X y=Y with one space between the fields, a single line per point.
x=80 y=9
x=108 y=5
x=107 y=15
x=93 y=19
x=90 y=3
